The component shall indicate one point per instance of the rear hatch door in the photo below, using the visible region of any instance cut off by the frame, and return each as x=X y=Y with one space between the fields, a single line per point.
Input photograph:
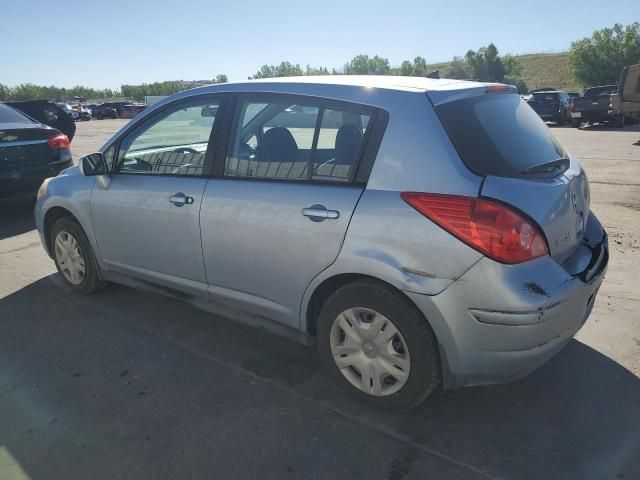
x=501 y=138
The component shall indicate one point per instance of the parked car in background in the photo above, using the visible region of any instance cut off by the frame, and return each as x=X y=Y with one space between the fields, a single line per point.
x=354 y=211
x=595 y=107
x=74 y=114
x=85 y=114
x=551 y=105
x=47 y=113
x=105 y=111
x=627 y=99
x=29 y=152
x=131 y=110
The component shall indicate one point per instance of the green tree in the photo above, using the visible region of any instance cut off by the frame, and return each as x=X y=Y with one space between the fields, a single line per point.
x=599 y=60
x=406 y=68
x=457 y=69
x=316 y=70
x=420 y=67
x=285 y=69
x=364 y=65
x=486 y=65
x=221 y=78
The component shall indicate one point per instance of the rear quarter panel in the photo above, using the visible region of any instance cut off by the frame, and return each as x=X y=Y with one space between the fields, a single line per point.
x=386 y=236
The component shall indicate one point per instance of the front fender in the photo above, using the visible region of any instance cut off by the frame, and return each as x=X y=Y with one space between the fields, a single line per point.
x=71 y=192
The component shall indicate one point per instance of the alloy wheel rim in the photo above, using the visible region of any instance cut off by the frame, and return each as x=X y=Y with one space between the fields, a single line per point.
x=70 y=258
x=370 y=351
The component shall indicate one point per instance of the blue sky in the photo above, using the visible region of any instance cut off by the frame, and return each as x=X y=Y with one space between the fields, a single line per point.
x=108 y=43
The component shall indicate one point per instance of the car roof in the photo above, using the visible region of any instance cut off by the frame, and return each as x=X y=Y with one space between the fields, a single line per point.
x=391 y=82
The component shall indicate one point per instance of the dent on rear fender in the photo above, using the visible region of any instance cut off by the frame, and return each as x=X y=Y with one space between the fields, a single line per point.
x=391 y=241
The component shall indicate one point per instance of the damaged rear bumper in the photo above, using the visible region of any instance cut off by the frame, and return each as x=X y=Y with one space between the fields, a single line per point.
x=500 y=322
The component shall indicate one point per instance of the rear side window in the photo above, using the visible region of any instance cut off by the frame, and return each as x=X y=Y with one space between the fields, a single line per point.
x=9 y=115
x=499 y=134
x=296 y=141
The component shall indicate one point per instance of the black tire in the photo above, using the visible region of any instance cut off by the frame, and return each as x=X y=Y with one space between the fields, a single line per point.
x=575 y=123
x=619 y=121
x=560 y=120
x=91 y=281
x=424 y=375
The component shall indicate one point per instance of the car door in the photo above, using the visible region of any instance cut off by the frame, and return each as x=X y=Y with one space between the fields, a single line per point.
x=147 y=221
x=277 y=210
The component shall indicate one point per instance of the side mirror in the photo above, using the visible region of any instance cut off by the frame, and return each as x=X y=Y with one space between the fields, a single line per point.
x=93 y=164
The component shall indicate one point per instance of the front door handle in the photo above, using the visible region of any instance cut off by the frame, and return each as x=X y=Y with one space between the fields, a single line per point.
x=179 y=199
x=319 y=213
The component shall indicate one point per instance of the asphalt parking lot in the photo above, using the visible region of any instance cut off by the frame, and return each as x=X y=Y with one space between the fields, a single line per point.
x=125 y=384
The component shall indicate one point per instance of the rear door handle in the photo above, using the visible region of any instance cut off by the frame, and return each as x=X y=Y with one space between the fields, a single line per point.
x=179 y=199
x=319 y=213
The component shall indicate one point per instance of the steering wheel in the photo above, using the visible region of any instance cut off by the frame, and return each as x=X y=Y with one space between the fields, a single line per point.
x=185 y=150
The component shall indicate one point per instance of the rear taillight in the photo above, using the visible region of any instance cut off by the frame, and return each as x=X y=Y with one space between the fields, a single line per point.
x=59 y=141
x=490 y=227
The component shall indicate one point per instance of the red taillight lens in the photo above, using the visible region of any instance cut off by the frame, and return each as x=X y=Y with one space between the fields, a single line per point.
x=486 y=225
x=498 y=88
x=59 y=141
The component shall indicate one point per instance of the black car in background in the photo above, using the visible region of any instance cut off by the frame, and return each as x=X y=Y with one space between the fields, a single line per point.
x=551 y=105
x=106 y=110
x=47 y=113
x=29 y=152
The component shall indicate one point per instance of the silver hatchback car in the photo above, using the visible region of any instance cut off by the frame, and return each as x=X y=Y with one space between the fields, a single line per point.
x=420 y=231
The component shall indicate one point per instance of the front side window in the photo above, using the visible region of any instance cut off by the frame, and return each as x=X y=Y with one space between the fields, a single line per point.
x=294 y=141
x=174 y=144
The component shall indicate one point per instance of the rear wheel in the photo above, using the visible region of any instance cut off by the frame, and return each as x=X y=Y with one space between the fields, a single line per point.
x=376 y=345
x=74 y=257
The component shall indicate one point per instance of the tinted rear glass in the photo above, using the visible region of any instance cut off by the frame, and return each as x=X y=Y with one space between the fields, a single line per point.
x=499 y=134
x=545 y=97
x=9 y=115
x=594 y=92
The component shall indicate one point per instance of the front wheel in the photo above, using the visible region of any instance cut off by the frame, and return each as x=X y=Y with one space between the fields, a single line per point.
x=74 y=257
x=377 y=345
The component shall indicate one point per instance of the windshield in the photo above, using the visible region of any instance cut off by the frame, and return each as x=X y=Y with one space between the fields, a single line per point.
x=499 y=135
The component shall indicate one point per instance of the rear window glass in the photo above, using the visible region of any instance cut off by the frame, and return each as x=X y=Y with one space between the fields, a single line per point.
x=9 y=115
x=594 y=92
x=499 y=134
x=545 y=97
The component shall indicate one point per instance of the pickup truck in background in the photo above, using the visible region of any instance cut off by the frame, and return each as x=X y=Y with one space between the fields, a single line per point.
x=595 y=106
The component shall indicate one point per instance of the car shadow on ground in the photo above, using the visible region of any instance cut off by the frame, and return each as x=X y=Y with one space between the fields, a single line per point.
x=66 y=362
x=16 y=216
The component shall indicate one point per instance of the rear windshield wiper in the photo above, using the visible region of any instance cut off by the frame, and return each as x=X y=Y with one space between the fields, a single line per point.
x=548 y=167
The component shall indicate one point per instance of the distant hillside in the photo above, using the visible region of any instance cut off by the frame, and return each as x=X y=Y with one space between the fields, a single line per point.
x=541 y=70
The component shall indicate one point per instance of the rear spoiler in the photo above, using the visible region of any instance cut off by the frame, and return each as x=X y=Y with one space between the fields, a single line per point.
x=458 y=91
